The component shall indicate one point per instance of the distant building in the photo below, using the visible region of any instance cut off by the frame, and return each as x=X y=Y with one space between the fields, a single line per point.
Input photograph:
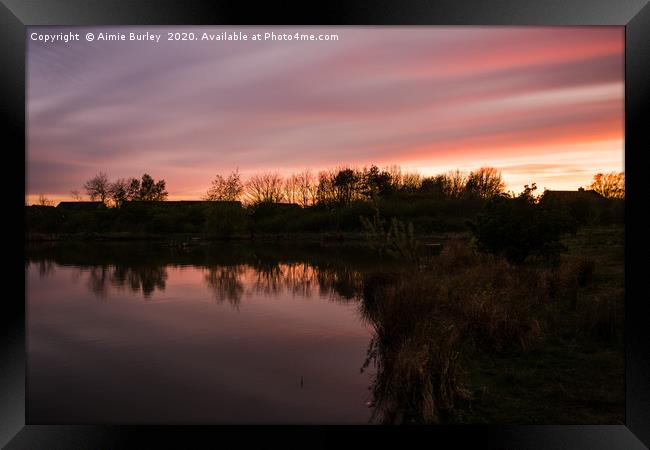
x=284 y=206
x=276 y=207
x=570 y=196
x=582 y=200
x=266 y=209
x=38 y=207
x=179 y=203
x=81 y=206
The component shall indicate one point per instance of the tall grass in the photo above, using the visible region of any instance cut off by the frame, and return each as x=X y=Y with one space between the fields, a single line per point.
x=460 y=302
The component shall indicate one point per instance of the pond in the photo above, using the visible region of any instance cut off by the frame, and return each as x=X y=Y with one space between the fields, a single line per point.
x=211 y=333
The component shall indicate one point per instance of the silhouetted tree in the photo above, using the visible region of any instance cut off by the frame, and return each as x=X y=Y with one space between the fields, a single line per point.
x=123 y=190
x=519 y=227
x=411 y=183
x=75 y=195
x=133 y=189
x=437 y=186
x=290 y=189
x=151 y=190
x=485 y=183
x=44 y=201
x=305 y=188
x=225 y=189
x=98 y=187
x=264 y=188
x=325 y=191
x=345 y=185
x=609 y=185
x=456 y=183
x=377 y=183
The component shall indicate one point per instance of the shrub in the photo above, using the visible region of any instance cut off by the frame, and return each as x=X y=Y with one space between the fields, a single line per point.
x=397 y=240
x=223 y=220
x=429 y=320
x=519 y=227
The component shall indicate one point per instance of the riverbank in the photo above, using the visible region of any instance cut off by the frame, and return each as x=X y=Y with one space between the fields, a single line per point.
x=346 y=238
x=471 y=338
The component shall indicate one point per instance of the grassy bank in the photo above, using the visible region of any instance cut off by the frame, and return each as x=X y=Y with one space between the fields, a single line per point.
x=467 y=337
x=577 y=374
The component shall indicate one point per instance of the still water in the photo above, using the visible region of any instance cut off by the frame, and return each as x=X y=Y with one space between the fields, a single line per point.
x=218 y=333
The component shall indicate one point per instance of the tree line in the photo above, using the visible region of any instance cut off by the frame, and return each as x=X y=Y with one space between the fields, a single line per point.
x=340 y=186
x=345 y=185
x=99 y=188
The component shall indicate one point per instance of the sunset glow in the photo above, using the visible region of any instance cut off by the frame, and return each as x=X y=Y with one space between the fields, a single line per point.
x=541 y=104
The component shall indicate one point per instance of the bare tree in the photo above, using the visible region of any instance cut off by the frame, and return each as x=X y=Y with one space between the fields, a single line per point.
x=609 y=185
x=76 y=196
x=97 y=187
x=228 y=189
x=264 y=188
x=411 y=182
x=290 y=189
x=306 y=188
x=44 y=201
x=485 y=182
x=396 y=176
x=456 y=181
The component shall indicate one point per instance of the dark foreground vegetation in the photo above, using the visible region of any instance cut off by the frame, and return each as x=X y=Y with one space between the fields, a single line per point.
x=469 y=337
x=526 y=213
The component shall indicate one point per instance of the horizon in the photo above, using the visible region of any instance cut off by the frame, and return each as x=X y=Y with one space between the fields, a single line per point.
x=170 y=197
x=542 y=105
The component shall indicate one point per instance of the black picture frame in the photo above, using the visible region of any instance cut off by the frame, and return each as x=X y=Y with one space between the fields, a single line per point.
x=16 y=15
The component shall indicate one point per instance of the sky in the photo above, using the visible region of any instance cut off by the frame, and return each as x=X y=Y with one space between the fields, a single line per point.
x=541 y=104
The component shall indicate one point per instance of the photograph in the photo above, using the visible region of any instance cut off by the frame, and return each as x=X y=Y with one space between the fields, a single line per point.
x=325 y=225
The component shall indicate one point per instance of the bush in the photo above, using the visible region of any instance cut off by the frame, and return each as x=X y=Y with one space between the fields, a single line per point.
x=396 y=240
x=223 y=220
x=429 y=321
x=520 y=227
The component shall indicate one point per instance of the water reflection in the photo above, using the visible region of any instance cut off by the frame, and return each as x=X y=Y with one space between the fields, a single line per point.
x=139 y=279
x=145 y=279
x=237 y=274
x=45 y=268
x=398 y=376
x=226 y=284
x=289 y=316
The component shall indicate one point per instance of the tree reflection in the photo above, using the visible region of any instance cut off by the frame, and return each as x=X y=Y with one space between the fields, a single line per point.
x=229 y=283
x=98 y=280
x=145 y=279
x=140 y=278
x=45 y=268
x=268 y=279
x=305 y=280
x=344 y=282
x=229 y=274
x=225 y=284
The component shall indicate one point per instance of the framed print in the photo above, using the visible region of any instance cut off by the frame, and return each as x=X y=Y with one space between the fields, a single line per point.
x=261 y=223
